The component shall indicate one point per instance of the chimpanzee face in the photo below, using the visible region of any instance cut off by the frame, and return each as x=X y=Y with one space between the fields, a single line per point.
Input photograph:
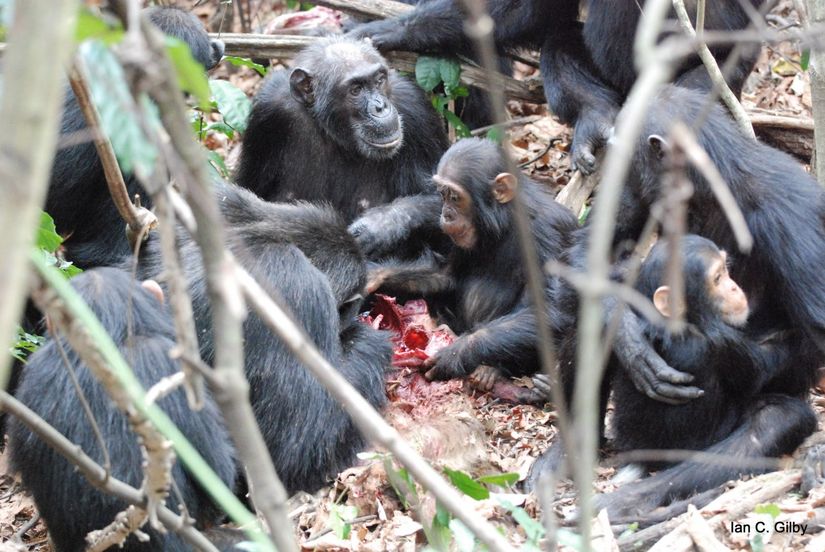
x=375 y=122
x=708 y=286
x=456 y=213
x=727 y=296
x=349 y=95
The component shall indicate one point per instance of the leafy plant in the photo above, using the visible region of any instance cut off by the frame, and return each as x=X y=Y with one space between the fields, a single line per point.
x=25 y=344
x=442 y=78
x=48 y=242
x=298 y=5
x=340 y=518
x=246 y=62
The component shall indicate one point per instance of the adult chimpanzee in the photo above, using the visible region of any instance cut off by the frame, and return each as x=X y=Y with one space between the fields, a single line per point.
x=728 y=364
x=341 y=127
x=303 y=253
x=78 y=197
x=587 y=68
x=784 y=209
x=135 y=318
x=483 y=278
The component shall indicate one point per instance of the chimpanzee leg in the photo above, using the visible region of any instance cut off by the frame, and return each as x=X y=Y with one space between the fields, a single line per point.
x=772 y=426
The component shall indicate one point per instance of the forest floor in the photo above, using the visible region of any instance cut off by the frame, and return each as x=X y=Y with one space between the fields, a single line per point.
x=451 y=424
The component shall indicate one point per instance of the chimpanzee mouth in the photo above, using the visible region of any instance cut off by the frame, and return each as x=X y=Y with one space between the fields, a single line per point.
x=393 y=142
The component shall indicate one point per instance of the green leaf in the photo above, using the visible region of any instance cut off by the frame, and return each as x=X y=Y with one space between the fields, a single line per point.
x=233 y=104
x=465 y=540
x=500 y=479
x=47 y=237
x=339 y=520
x=584 y=214
x=116 y=106
x=496 y=134
x=467 y=484
x=532 y=528
x=191 y=74
x=90 y=26
x=442 y=515
x=461 y=129
x=456 y=92
x=757 y=543
x=428 y=72
x=450 y=72
x=805 y=59
x=246 y=62
x=770 y=509
x=25 y=344
x=222 y=127
x=217 y=163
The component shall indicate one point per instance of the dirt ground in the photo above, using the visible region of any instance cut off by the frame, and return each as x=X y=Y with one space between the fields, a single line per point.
x=455 y=426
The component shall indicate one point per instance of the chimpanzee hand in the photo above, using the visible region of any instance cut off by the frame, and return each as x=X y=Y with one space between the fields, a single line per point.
x=542 y=386
x=379 y=230
x=384 y=34
x=593 y=129
x=485 y=377
x=650 y=374
x=455 y=361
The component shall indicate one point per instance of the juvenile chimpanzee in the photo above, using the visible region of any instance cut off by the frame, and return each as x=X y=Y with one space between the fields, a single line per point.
x=587 y=69
x=483 y=278
x=728 y=364
x=784 y=209
x=140 y=325
x=304 y=253
x=341 y=127
x=78 y=197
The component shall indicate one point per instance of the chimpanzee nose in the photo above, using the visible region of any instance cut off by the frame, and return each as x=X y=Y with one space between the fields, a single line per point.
x=378 y=107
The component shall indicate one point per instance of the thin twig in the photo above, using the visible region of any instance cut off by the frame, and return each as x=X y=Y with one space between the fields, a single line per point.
x=137 y=219
x=730 y=99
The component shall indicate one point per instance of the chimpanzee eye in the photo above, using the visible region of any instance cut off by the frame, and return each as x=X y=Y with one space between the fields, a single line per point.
x=381 y=80
x=355 y=89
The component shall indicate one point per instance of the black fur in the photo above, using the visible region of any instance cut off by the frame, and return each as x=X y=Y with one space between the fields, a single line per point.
x=304 y=253
x=732 y=369
x=784 y=208
x=78 y=197
x=296 y=149
x=482 y=290
x=71 y=507
x=587 y=69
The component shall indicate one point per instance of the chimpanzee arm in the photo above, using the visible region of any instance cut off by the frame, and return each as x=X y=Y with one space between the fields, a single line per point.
x=576 y=94
x=507 y=343
x=380 y=231
x=647 y=370
x=438 y=26
x=423 y=276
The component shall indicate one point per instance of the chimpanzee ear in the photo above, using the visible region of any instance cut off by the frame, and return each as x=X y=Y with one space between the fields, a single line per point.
x=661 y=300
x=300 y=84
x=504 y=187
x=658 y=145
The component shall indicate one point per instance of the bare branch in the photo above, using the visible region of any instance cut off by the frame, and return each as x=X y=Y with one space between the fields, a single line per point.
x=287 y=46
x=730 y=99
x=30 y=108
x=139 y=221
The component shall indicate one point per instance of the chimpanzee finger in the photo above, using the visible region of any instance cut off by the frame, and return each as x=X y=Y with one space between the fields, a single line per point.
x=583 y=159
x=541 y=383
x=648 y=383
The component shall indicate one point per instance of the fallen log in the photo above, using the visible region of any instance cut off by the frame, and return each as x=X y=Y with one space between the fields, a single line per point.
x=286 y=46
